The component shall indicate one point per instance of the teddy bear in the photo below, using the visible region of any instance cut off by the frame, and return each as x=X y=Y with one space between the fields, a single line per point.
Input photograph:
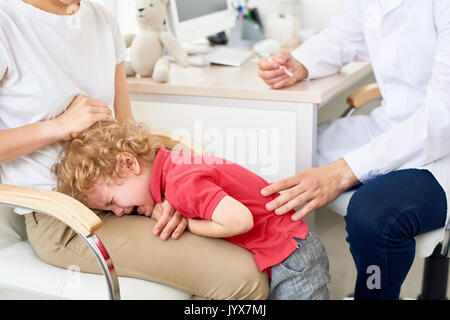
x=147 y=46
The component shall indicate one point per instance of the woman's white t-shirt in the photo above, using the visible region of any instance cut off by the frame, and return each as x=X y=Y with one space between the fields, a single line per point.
x=45 y=61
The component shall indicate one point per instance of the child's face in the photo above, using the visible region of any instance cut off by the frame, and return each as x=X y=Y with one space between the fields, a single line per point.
x=123 y=195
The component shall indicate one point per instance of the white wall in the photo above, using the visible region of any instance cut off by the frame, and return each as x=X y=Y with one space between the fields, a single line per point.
x=314 y=14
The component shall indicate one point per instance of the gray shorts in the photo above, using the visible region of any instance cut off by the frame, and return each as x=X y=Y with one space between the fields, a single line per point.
x=304 y=274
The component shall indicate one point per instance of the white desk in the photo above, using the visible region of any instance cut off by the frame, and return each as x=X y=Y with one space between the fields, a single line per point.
x=233 y=114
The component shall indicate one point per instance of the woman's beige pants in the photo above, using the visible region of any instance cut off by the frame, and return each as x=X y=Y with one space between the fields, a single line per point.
x=205 y=267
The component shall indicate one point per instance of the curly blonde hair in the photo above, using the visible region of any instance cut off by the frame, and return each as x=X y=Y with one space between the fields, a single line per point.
x=93 y=154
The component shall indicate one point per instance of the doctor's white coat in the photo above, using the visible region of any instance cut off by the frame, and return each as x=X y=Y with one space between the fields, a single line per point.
x=408 y=44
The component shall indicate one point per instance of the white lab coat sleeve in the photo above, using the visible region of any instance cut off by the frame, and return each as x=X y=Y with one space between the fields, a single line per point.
x=425 y=136
x=341 y=42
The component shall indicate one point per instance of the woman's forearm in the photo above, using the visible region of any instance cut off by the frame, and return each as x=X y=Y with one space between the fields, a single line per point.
x=122 y=103
x=21 y=141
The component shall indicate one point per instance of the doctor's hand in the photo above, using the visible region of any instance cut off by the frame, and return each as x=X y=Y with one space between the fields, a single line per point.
x=169 y=222
x=275 y=77
x=81 y=114
x=313 y=188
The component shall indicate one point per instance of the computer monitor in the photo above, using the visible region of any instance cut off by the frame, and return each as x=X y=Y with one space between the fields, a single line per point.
x=193 y=19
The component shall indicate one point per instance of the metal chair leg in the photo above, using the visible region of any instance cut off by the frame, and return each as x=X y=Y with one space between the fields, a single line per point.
x=100 y=253
x=103 y=259
x=106 y=264
x=435 y=277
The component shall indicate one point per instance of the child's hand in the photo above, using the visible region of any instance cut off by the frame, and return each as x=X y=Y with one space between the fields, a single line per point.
x=169 y=221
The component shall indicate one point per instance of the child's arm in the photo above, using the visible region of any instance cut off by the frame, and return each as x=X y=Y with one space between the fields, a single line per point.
x=230 y=218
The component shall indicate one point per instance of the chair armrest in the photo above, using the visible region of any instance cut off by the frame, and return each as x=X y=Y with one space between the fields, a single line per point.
x=364 y=95
x=71 y=212
x=67 y=209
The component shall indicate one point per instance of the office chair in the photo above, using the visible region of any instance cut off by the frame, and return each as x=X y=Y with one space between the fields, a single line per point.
x=21 y=270
x=433 y=245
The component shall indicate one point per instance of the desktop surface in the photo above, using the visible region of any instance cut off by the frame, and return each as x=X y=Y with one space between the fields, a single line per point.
x=243 y=83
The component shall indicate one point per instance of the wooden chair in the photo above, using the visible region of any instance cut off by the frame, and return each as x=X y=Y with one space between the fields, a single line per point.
x=22 y=270
x=178 y=143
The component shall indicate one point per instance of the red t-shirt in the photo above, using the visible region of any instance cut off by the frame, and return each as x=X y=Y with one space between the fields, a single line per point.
x=195 y=184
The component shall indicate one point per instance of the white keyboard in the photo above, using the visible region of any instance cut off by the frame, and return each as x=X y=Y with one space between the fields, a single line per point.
x=229 y=56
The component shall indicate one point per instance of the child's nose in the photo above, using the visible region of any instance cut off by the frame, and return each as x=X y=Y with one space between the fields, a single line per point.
x=118 y=211
x=128 y=210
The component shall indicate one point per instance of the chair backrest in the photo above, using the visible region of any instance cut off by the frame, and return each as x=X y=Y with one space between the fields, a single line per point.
x=178 y=143
x=364 y=95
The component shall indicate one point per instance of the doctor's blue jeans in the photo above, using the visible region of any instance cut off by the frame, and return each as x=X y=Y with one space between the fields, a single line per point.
x=383 y=217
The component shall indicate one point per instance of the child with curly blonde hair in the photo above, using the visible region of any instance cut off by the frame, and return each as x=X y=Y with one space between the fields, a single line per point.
x=101 y=156
x=121 y=167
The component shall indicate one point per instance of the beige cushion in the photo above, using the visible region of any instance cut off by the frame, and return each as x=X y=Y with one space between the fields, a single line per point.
x=425 y=243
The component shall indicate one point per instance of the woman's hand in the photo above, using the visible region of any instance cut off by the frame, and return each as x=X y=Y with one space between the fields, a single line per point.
x=81 y=114
x=276 y=78
x=169 y=221
x=313 y=188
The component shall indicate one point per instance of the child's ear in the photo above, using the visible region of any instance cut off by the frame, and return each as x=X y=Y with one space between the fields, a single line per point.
x=128 y=162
